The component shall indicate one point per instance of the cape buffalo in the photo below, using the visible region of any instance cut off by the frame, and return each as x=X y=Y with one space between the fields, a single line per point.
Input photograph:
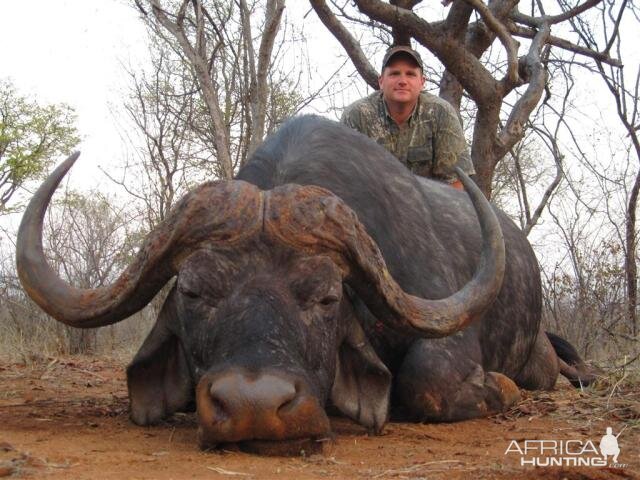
x=326 y=273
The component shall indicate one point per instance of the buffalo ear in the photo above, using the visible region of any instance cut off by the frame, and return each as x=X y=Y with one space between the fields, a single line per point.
x=362 y=383
x=158 y=378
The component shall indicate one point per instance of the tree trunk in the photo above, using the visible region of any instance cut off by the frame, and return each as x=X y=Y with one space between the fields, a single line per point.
x=81 y=340
x=483 y=148
x=630 y=267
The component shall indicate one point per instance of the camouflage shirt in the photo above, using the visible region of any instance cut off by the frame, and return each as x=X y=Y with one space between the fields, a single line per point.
x=430 y=142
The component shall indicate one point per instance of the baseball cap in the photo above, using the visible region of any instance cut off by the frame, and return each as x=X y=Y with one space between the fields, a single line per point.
x=402 y=49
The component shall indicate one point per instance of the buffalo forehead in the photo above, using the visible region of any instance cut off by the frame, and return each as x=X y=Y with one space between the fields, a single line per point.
x=208 y=270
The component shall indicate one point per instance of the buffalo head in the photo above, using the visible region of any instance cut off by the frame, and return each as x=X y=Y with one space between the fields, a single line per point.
x=258 y=328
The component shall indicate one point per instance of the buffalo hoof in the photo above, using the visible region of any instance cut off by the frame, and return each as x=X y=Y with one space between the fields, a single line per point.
x=479 y=395
x=508 y=392
x=240 y=406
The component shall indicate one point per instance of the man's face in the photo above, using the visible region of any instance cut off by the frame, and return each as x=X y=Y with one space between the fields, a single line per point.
x=401 y=81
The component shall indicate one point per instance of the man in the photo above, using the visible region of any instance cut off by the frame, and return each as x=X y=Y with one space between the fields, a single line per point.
x=423 y=131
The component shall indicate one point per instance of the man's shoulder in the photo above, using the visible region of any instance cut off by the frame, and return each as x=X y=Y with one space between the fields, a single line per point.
x=440 y=104
x=367 y=105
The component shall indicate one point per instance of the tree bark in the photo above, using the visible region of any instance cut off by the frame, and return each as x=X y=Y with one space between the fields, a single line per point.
x=630 y=266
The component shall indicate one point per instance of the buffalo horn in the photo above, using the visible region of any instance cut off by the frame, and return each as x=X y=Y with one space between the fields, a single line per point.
x=216 y=213
x=313 y=220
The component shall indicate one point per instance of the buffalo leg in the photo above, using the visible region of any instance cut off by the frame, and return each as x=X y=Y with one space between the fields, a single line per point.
x=540 y=372
x=437 y=383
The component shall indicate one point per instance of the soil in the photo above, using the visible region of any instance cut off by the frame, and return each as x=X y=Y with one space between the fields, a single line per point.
x=67 y=418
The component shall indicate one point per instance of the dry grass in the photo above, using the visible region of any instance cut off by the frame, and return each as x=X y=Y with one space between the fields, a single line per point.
x=614 y=399
x=44 y=339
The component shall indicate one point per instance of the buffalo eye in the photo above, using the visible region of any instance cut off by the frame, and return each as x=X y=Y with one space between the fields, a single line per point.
x=316 y=282
x=329 y=300
x=198 y=290
x=189 y=293
x=315 y=291
x=312 y=291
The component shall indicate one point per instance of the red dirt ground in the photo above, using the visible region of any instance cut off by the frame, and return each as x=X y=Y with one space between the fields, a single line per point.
x=68 y=419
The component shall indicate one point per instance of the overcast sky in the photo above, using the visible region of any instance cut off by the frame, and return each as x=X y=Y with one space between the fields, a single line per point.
x=72 y=51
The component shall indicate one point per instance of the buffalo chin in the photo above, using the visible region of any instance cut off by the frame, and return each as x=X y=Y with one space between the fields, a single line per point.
x=274 y=448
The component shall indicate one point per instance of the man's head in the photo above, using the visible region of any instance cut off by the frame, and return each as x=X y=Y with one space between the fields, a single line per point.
x=402 y=76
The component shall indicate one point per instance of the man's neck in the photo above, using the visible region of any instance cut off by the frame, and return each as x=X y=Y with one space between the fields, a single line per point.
x=400 y=112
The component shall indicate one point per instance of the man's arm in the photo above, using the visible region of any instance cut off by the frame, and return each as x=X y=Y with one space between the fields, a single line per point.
x=450 y=147
x=350 y=118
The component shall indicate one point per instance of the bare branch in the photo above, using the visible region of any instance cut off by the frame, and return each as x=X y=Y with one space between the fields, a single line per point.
x=616 y=28
x=348 y=42
x=457 y=20
x=400 y=35
x=567 y=45
x=501 y=31
x=551 y=188
x=259 y=86
x=514 y=127
x=535 y=22
x=209 y=91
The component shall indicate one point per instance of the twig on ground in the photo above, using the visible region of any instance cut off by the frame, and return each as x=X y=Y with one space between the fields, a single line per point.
x=615 y=387
x=222 y=471
x=413 y=468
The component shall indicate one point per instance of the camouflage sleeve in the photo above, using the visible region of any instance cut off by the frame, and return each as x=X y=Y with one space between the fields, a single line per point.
x=450 y=147
x=350 y=117
x=344 y=118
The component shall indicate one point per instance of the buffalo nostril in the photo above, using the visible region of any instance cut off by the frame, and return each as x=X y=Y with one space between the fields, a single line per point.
x=289 y=400
x=219 y=410
x=287 y=406
x=211 y=408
